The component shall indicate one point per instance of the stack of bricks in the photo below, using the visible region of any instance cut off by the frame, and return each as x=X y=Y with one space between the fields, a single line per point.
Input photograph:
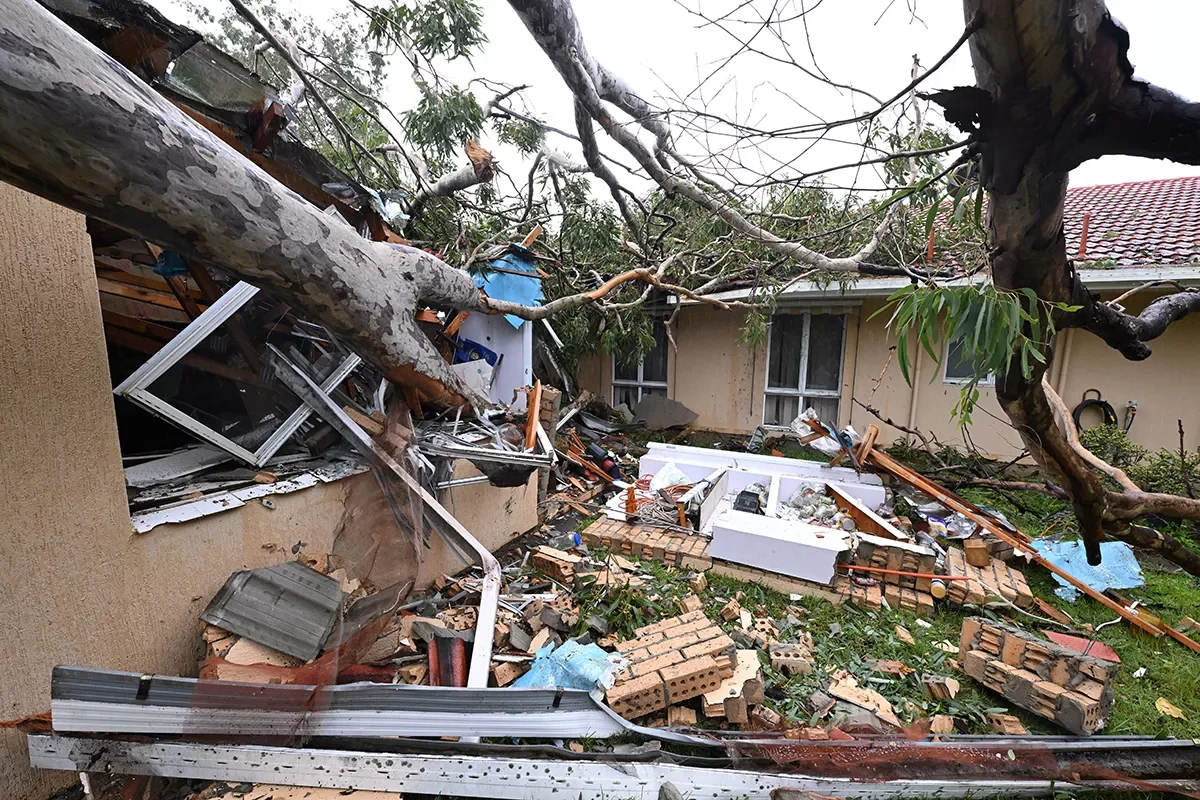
x=673 y=548
x=669 y=662
x=1069 y=688
x=900 y=591
x=995 y=580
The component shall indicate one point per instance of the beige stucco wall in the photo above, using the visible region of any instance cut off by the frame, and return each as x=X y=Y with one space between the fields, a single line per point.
x=1165 y=386
x=713 y=373
x=723 y=381
x=79 y=587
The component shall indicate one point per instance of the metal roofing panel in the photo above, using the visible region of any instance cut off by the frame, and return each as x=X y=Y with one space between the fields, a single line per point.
x=289 y=607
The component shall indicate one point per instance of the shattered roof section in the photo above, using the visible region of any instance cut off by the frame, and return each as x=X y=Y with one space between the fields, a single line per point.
x=133 y=32
x=209 y=83
x=1138 y=224
x=209 y=76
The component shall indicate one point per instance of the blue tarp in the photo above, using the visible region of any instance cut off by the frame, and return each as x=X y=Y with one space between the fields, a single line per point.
x=514 y=288
x=570 y=666
x=1119 y=569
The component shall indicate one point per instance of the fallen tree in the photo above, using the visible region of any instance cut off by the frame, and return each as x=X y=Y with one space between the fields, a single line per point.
x=1055 y=88
x=79 y=129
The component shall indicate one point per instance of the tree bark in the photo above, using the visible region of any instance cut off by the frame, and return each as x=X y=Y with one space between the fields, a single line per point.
x=1055 y=88
x=82 y=131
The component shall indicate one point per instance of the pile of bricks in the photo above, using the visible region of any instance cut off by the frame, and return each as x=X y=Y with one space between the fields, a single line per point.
x=996 y=580
x=669 y=662
x=557 y=564
x=871 y=597
x=673 y=548
x=875 y=551
x=1069 y=688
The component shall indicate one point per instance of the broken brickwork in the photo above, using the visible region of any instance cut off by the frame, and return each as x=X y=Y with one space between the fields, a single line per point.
x=671 y=661
x=1072 y=689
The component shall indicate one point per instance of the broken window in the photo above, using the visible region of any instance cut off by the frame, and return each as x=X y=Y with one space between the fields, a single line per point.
x=804 y=366
x=958 y=369
x=206 y=384
x=631 y=384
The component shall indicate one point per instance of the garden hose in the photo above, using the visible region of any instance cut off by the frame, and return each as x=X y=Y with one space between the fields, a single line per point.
x=1110 y=415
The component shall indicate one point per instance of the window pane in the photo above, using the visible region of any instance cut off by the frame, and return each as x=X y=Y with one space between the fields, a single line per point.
x=825 y=352
x=826 y=408
x=661 y=391
x=957 y=369
x=654 y=365
x=621 y=373
x=787 y=344
x=780 y=409
x=624 y=394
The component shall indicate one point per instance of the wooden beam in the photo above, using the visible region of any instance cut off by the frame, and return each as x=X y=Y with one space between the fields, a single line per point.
x=973 y=513
x=160 y=333
x=151 y=296
x=144 y=344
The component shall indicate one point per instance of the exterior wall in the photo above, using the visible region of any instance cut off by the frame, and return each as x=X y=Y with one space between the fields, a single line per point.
x=714 y=374
x=1165 y=386
x=926 y=405
x=723 y=381
x=79 y=587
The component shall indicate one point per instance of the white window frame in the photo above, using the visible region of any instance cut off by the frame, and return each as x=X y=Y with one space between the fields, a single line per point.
x=136 y=386
x=949 y=380
x=803 y=392
x=640 y=383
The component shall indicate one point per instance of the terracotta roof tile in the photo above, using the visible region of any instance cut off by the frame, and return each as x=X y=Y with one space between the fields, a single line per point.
x=1138 y=224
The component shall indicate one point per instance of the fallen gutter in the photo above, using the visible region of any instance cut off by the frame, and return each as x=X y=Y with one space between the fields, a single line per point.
x=311 y=395
x=497 y=778
x=87 y=700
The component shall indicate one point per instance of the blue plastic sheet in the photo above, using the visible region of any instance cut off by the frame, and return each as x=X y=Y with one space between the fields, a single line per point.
x=514 y=288
x=1119 y=568
x=570 y=666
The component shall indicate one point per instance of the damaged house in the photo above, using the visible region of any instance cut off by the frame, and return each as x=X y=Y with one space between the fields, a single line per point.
x=128 y=510
x=265 y=471
x=827 y=345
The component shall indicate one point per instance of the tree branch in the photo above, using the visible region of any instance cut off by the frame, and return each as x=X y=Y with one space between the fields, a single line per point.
x=1127 y=333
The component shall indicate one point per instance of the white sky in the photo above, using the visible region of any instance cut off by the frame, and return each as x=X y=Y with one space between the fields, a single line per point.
x=656 y=44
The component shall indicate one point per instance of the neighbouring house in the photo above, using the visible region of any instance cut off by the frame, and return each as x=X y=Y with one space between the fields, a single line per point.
x=111 y=572
x=825 y=349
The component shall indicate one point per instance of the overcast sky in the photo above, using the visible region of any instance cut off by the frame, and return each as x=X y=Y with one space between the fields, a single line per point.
x=660 y=48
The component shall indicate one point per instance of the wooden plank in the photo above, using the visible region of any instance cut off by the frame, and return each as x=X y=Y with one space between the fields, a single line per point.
x=866 y=519
x=533 y=415
x=135 y=279
x=151 y=296
x=868 y=441
x=956 y=503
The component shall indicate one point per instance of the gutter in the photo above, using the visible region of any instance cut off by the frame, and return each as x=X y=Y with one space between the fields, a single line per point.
x=1098 y=279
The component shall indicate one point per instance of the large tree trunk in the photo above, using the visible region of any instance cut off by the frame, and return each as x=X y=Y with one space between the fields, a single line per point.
x=1055 y=88
x=79 y=129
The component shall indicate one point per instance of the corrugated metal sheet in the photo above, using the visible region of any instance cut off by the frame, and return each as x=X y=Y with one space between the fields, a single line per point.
x=289 y=607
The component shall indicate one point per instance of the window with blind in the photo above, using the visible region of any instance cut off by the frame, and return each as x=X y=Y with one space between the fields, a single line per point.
x=631 y=384
x=804 y=366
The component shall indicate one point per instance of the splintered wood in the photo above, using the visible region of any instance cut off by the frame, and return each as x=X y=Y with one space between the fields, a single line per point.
x=997 y=580
x=1071 y=689
x=671 y=661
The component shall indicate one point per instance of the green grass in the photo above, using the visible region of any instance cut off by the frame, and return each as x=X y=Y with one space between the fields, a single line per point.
x=1172 y=671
